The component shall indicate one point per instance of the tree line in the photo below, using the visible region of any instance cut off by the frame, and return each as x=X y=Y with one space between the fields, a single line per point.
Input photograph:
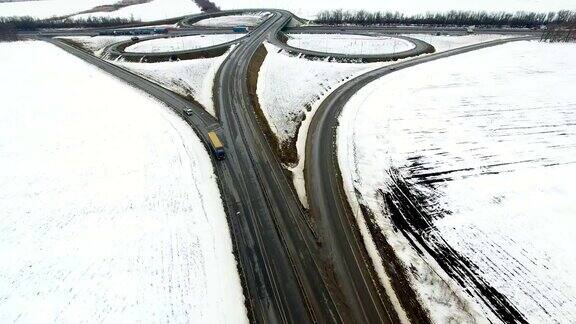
x=520 y=19
x=31 y=23
x=9 y=26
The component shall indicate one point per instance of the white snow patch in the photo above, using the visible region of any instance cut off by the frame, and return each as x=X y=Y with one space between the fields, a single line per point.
x=150 y=11
x=110 y=207
x=172 y=44
x=349 y=44
x=249 y=20
x=187 y=77
x=507 y=146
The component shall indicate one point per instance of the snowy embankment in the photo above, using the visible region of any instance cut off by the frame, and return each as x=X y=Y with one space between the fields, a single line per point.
x=349 y=44
x=249 y=20
x=183 y=43
x=95 y=44
x=190 y=78
x=150 y=11
x=289 y=91
x=110 y=207
x=447 y=42
x=473 y=167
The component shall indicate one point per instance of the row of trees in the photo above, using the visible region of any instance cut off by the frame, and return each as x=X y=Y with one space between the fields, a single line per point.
x=451 y=18
x=31 y=24
x=560 y=33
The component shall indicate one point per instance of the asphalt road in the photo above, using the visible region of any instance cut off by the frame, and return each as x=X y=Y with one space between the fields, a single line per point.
x=300 y=290
x=420 y=47
x=327 y=198
x=276 y=248
x=290 y=272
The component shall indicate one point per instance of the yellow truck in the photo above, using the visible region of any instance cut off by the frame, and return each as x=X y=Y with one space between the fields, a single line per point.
x=216 y=146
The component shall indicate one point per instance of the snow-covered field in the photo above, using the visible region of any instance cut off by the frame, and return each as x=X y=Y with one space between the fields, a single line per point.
x=349 y=44
x=447 y=42
x=194 y=78
x=234 y=20
x=290 y=89
x=472 y=159
x=154 y=10
x=47 y=9
x=150 y=11
x=110 y=208
x=308 y=9
x=181 y=43
x=96 y=44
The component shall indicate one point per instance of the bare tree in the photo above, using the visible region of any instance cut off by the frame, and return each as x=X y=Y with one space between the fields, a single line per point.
x=451 y=18
x=207 y=5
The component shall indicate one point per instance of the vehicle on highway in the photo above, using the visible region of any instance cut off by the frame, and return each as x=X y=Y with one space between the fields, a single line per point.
x=160 y=30
x=240 y=29
x=216 y=146
x=106 y=32
x=135 y=39
x=188 y=112
x=134 y=31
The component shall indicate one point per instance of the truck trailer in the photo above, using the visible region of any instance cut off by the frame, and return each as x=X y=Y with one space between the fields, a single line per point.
x=216 y=146
x=240 y=29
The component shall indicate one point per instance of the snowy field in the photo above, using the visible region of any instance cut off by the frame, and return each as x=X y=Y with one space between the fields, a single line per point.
x=47 y=9
x=110 y=207
x=308 y=9
x=475 y=166
x=154 y=10
x=96 y=44
x=349 y=44
x=289 y=90
x=190 y=78
x=234 y=20
x=447 y=42
x=181 y=43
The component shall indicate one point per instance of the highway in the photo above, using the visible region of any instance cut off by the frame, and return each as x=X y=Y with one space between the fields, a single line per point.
x=296 y=266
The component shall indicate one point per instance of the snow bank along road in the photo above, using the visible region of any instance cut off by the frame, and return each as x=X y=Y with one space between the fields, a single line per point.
x=105 y=217
x=288 y=275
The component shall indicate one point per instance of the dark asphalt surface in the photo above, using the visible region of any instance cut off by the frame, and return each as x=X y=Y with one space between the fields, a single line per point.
x=297 y=286
x=288 y=276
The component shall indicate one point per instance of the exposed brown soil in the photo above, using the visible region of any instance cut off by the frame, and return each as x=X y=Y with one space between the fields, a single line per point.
x=392 y=265
x=286 y=151
x=394 y=269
